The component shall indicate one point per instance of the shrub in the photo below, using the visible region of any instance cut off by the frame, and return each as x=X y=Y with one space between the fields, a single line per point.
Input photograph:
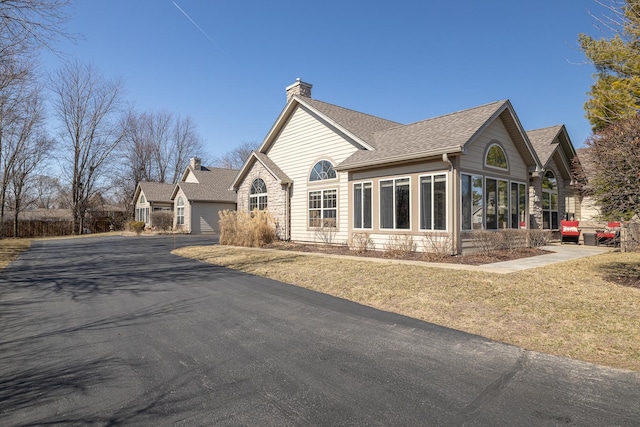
x=361 y=243
x=538 y=238
x=163 y=220
x=400 y=246
x=136 y=226
x=250 y=229
x=437 y=244
x=513 y=239
x=326 y=233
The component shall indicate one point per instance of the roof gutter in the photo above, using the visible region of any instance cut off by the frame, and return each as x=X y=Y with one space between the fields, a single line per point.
x=401 y=159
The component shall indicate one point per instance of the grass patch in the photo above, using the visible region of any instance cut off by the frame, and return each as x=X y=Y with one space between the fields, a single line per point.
x=576 y=309
x=11 y=248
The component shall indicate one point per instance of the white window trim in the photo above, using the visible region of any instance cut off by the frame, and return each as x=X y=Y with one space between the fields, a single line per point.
x=257 y=196
x=446 y=183
x=322 y=180
x=178 y=215
x=322 y=208
x=362 y=204
x=394 y=203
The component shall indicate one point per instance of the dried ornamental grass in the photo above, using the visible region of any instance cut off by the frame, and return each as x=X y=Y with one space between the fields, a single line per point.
x=250 y=229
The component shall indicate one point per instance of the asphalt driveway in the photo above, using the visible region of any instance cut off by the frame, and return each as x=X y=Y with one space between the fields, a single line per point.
x=117 y=331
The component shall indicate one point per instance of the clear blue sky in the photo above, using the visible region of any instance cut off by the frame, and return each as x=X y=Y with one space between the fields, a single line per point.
x=227 y=63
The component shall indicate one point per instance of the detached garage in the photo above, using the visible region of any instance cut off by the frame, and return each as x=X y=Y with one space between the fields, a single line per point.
x=198 y=197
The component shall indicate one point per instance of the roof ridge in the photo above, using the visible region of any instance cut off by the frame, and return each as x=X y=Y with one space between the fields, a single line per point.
x=352 y=110
x=459 y=112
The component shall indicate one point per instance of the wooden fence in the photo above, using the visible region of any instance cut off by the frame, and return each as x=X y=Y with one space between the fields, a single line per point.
x=51 y=228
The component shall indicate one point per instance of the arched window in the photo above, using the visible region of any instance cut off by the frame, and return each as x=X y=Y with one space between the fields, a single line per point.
x=180 y=211
x=549 y=201
x=258 y=195
x=322 y=170
x=142 y=199
x=496 y=157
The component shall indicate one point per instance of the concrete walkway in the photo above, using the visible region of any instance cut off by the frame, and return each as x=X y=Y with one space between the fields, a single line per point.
x=560 y=253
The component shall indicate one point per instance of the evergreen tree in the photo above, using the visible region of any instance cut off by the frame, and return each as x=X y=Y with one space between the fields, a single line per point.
x=616 y=93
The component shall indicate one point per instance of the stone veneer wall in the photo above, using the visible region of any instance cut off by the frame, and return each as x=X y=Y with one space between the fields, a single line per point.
x=276 y=196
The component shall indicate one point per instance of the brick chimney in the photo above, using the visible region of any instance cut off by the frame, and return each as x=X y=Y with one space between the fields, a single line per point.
x=195 y=163
x=299 y=88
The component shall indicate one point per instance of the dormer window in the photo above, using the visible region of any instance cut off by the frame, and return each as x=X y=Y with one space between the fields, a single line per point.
x=496 y=158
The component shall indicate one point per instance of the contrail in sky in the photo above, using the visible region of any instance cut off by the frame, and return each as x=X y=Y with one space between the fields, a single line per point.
x=198 y=26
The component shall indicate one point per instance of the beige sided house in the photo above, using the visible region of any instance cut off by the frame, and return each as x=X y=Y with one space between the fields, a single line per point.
x=151 y=197
x=199 y=195
x=323 y=166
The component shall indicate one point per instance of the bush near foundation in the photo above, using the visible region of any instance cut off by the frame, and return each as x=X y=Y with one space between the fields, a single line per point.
x=250 y=229
x=136 y=226
x=162 y=220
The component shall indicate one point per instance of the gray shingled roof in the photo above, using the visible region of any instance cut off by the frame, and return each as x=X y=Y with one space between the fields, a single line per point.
x=273 y=167
x=543 y=141
x=157 y=191
x=212 y=186
x=364 y=126
x=443 y=134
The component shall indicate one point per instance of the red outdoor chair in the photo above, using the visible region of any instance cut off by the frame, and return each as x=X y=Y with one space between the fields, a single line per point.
x=569 y=231
x=610 y=235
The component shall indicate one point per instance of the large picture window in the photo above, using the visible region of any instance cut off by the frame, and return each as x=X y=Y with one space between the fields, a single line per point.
x=258 y=195
x=472 y=202
x=142 y=214
x=395 y=204
x=323 y=208
x=362 y=201
x=498 y=204
x=549 y=201
x=518 y=205
x=433 y=202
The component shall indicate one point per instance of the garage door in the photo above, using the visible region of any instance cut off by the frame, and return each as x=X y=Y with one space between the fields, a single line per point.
x=204 y=218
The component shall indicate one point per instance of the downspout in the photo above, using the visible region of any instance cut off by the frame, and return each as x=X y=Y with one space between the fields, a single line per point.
x=287 y=213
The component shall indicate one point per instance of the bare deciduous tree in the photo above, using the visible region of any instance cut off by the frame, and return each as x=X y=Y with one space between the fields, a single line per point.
x=88 y=106
x=47 y=192
x=156 y=147
x=21 y=128
x=235 y=158
x=32 y=157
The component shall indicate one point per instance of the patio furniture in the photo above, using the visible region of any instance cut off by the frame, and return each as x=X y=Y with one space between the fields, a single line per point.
x=569 y=231
x=610 y=236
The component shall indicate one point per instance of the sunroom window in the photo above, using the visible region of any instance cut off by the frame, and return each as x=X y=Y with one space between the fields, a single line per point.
x=362 y=205
x=394 y=204
x=549 y=201
x=433 y=202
